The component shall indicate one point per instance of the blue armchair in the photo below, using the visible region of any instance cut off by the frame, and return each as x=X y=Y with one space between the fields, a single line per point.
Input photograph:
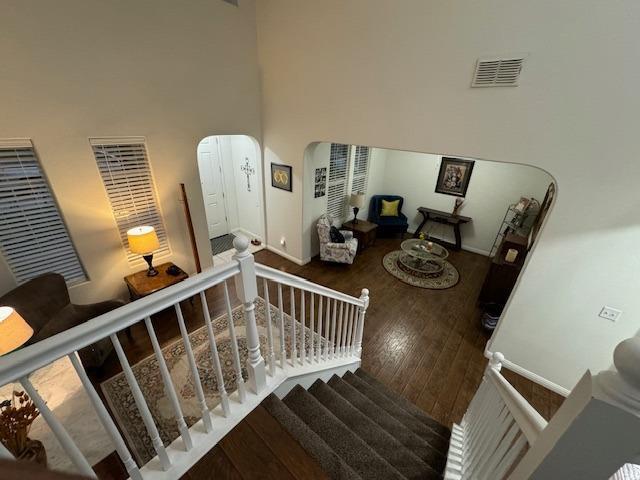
x=397 y=224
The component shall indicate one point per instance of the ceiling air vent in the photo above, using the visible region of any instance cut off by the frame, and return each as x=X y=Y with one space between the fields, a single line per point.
x=498 y=72
x=232 y=2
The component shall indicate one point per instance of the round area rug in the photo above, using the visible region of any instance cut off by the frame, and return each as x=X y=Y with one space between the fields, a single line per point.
x=447 y=279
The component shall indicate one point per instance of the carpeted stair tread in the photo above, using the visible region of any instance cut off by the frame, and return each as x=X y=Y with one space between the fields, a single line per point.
x=330 y=461
x=421 y=415
x=403 y=460
x=351 y=448
x=392 y=408
x=395 y=428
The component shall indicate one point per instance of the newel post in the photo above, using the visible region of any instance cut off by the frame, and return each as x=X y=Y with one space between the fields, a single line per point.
x=365 y=300
x=596 y=429
x=247 y=291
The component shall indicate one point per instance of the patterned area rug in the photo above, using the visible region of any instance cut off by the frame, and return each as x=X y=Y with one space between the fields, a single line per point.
x=447 y=279
x=147 y=373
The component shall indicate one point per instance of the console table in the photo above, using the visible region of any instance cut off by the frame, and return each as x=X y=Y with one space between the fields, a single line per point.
x=445 y=218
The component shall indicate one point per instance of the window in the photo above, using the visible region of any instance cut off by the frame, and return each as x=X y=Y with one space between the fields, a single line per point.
x=348 y=166
x=337 y=184
x=126 y=175
x=360 y=170
x=33 y=237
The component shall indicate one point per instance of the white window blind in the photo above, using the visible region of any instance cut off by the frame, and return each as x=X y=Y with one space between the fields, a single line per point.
x=33 y=237
x=126 y=175
x=337 y=183
x=360 y=170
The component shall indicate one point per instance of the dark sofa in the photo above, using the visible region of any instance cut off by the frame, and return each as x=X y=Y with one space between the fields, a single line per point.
x=45 y=305
x=387 y=225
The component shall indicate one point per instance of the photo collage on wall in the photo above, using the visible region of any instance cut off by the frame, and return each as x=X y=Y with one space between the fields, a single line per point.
x=320 y=182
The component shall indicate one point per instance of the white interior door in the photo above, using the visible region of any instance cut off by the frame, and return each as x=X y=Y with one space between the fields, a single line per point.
x=210 y=168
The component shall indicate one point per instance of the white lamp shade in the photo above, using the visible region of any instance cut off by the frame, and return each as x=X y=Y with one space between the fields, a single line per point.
x=143 y=240
x=357 y=200
x=14 y=330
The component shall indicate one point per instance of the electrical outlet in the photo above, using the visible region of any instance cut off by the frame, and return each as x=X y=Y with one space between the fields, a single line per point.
x=610 y=313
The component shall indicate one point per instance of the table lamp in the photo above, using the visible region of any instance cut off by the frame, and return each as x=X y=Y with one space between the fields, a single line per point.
x=14 y=330
x=143 y=240
x=357 y=202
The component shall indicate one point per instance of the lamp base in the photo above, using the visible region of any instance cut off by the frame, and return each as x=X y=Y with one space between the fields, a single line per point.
x=151 y=272
x=355 y=215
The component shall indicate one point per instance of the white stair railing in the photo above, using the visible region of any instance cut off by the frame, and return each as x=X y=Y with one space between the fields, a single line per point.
x=343 y=320
x=174 y=460
x=593 y=434
x=495 y=430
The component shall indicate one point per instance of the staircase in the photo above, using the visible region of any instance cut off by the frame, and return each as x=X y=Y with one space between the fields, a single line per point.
x=348 y=428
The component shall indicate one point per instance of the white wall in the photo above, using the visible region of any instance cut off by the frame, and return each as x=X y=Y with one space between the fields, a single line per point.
x=397 y=74
x=173 y=73
x=492 y=188
x=248 y=203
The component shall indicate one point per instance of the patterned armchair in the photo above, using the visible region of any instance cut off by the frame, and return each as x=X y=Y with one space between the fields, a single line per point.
x=336 y=252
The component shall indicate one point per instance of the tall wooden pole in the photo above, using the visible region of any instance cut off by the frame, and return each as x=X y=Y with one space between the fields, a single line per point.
x=192 y=235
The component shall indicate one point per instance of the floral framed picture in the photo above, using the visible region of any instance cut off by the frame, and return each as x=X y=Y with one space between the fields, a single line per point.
x=281 y=177
x=454 y=176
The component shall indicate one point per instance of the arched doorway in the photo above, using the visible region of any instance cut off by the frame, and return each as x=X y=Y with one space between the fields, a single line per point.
x=231 y=178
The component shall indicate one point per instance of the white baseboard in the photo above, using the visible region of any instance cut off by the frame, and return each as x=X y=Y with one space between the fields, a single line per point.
x=467 y=248
x=554 y=387
x=295 y=260
x=242 y=231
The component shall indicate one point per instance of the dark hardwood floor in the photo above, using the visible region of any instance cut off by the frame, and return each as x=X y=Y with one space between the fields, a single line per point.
x=427 y=345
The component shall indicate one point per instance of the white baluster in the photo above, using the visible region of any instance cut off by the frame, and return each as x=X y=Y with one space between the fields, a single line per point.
x=319 y=337
x=242 y=393
x=303 y=314
x=312 y=327
x=168 y=386
x=348 y=344
x=197 y=383
x=6 y=454
x=365 y=299
x=354 y=332
x=510 y=457
x=338 y=348
x=491 y=461
x=270 y=355
x=283 y=349
x=105 y=419
x=138 y=397
x=327 y=324
x=59 y=431
x=294 y=348
x=331 y=328
x=222 y=391
x=247 y=291
x=345 y=328
x=334 y=326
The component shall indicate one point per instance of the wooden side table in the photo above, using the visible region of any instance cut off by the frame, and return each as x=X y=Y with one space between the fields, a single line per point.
x=140 y=285
x=364 y=231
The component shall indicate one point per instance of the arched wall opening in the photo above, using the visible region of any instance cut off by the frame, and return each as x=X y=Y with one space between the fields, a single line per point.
x=504 y=204
x=232 y=180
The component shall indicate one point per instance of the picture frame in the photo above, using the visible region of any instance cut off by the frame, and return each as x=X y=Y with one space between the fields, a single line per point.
x=281 y=177
x=454 y=176
x=320 y=182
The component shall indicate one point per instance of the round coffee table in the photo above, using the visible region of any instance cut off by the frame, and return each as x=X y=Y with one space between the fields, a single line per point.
x=422 y=257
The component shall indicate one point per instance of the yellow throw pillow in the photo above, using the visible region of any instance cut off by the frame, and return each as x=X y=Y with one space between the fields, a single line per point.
x=389 y=209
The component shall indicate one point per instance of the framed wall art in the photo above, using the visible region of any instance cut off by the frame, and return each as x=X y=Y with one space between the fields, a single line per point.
x=281 y=177
x=454 y=176
x=320 y=183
